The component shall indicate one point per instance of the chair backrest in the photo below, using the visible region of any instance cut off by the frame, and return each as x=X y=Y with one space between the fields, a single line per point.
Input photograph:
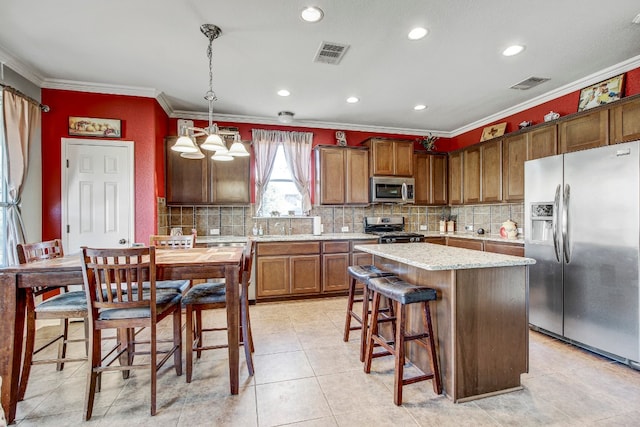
x=31 y=252
x=172 y=242
x=113 y=278
x=247 y=262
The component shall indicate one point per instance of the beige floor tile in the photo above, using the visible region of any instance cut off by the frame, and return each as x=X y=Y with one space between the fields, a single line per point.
x=331 y=360
x=377 y=416
x=441 y=411
x=354 y=391
x=290 y=401
x=282 y=367
x=221 y=410
x=320 y=422
x=275 y=343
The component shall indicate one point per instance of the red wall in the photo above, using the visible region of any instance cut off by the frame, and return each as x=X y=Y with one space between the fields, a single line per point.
x=567 y=104
x=143 y=122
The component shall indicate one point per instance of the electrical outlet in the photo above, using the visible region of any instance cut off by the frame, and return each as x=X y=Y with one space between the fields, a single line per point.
x=345 y=229
x=214 y=232
x=423 y=228
x=468 y=227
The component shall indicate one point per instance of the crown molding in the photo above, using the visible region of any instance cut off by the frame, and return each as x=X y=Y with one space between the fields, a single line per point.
x=589 y=80
x=196 y=115
x=26 y=71
x=146 y=92
x=165 y=104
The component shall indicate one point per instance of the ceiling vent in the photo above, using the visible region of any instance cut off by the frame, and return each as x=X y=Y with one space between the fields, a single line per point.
x=529 y=83
x=331 y=53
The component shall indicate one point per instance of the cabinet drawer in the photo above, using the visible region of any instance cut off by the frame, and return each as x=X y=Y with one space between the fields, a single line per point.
x=288 y=248
x=363 y=242
x=335 y=247
x=465 y=243
x=514 y=249
x=436 y=240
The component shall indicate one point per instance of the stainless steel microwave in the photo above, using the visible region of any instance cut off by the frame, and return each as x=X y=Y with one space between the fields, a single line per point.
x=391 y=189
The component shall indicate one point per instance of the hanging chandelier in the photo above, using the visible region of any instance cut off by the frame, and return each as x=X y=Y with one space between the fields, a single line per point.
x=185 y=144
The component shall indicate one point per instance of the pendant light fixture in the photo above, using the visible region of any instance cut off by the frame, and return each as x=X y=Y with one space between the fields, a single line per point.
x=185 y=144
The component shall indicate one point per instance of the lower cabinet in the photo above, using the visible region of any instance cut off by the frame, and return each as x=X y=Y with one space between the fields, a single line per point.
x=335 y=260
x=505 y=248
x=465 y=243
x=436 y=240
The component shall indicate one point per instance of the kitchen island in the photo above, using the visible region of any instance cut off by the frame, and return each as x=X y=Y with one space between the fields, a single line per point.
x=481 y=314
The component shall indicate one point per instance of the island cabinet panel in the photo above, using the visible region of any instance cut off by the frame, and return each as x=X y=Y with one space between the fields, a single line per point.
x=474 y=244
x=491 y=171
x=342 y=175
x=585 y=131
x=513 y=158
x=455 y=178
x=542 y=142
x=471 y=175
x=625 y=121
x=389 y=157
x=430 y=173
x=514 y=249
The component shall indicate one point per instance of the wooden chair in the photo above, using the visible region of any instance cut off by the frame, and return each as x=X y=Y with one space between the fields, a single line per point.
x=208 y=296
x=115 y=301
x=172 y=242
x=65 y=306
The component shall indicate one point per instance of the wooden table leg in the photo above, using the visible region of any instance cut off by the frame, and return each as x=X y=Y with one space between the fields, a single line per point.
x=233 y=315
x=12 y=306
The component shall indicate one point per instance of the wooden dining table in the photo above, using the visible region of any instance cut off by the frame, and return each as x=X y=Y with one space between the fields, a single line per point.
x=171 y=264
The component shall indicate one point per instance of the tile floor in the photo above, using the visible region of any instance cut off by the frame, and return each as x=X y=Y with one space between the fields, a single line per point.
x=307 y=376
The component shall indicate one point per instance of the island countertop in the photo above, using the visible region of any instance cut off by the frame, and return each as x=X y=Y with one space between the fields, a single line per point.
x=429 y=256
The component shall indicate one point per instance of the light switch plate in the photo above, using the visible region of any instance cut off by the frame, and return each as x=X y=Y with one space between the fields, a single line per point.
x=423 y=228
x=214 y=232
x=345 y=229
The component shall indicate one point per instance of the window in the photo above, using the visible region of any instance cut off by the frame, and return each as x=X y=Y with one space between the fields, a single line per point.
x=3 y=193
x=281 y=193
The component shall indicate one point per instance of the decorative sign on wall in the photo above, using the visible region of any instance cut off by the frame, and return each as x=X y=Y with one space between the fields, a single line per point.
x=493 y=131
x=601 y=93
x=89 y=126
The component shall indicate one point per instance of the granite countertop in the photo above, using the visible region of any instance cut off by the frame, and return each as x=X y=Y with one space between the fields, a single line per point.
x=438 y=257
x=476 y=236
x=284 y=238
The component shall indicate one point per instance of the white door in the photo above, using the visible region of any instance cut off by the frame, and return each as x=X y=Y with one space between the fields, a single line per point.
x=97 y=194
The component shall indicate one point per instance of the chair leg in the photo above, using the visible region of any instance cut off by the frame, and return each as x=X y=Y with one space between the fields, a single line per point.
x=399 y=353
x=433 y=353
x=177 y=341
x=373 y=330
x=28 y=352
x=365 y=321
x=62 y=345
x=95 y=357
x=190 y=339
x=246 y=343
x=153 y=366
x=347 y=321
x=199 y=334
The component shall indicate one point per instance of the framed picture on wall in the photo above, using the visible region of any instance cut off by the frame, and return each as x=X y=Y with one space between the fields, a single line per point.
x=89 y=126
x=601 y=93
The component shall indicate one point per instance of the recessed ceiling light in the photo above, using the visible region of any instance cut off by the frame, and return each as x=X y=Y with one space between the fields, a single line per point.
x=513 y=50
x=353 y=99
x=312 y=14
x=417 y=33
x=420 y=107
x=284 y=92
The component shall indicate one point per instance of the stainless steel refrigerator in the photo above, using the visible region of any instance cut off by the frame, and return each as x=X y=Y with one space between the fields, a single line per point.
x=582 y=223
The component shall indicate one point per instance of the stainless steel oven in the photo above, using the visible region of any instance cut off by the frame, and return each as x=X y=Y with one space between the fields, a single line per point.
x=390 y=230
x=391 y=189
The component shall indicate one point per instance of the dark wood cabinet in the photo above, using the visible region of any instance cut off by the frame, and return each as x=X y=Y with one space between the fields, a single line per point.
x=335 y=260
x=491 y=171
x=585 y=131
x=455 y=177
x=513 y=157
x=430 y=173
x=436 y=240
x=465 y=243
x=389 y=157
x=472 y=174
x=542 y=142
x=625 y=121
x=342 y=175
x=287 y=268
x=206 y=181
x=514 y=249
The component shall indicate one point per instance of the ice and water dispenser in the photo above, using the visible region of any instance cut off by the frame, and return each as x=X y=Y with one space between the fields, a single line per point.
x=542 y=222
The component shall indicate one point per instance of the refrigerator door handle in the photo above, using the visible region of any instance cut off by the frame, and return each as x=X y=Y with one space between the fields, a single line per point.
x=554 y=225
x=565 y=224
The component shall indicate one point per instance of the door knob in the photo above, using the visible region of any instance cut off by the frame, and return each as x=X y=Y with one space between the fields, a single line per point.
x=122 y=241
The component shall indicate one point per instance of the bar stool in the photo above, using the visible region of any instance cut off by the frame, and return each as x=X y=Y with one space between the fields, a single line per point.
x=403 y=294
x=360 y=274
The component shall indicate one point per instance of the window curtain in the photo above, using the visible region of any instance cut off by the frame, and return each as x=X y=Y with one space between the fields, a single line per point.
x=21 y=120
x=297 y=152
x=265 y=146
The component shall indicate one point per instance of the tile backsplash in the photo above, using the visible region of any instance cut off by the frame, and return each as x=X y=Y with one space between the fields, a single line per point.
x=239 y=220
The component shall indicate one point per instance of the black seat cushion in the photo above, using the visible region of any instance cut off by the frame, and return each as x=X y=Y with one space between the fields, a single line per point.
x=205 y=293
x=176 y=285
x=398 y=290
x=362 y=273
x=163 y=301
x=69 y=301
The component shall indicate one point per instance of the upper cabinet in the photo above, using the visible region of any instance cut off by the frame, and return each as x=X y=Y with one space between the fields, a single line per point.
x=542 y=142
x=471 y=174
x=342 y=175
x=491 y=171
x=585 y=131
x=455 y=178
x=514 y=154
x=206 y=181
x=625 y=121
x=430 y=173
x=390 y=157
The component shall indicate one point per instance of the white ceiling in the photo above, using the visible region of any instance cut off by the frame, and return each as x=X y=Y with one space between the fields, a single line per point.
x=155 y=48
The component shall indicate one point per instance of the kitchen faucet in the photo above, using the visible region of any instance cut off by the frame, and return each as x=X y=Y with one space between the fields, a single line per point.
x=282 y=228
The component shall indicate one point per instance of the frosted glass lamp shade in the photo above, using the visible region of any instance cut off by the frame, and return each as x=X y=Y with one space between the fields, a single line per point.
x=238 y=150
x=185 y=144
x=214 y=143
x=222 y=157
x=195 y=156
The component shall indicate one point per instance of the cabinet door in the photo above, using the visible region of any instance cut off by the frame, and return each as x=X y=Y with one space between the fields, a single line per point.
x=382 y=159
x=357 y=176
x=455 y=178
x=273 y=276
x=186 y=179
x=422 y=176
x=491 y=171
x=542 y=142
x=334 y=272
x=230 y=180
x=465 y=243
x=436 y=240
x=583 y=132
x=625 y=120
x=361 y=258
x=305 y=274
x=438 y=173
x=403 y=152
x=471 y=175
x=504 y=248
x=513 y=158
x=331 y=179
